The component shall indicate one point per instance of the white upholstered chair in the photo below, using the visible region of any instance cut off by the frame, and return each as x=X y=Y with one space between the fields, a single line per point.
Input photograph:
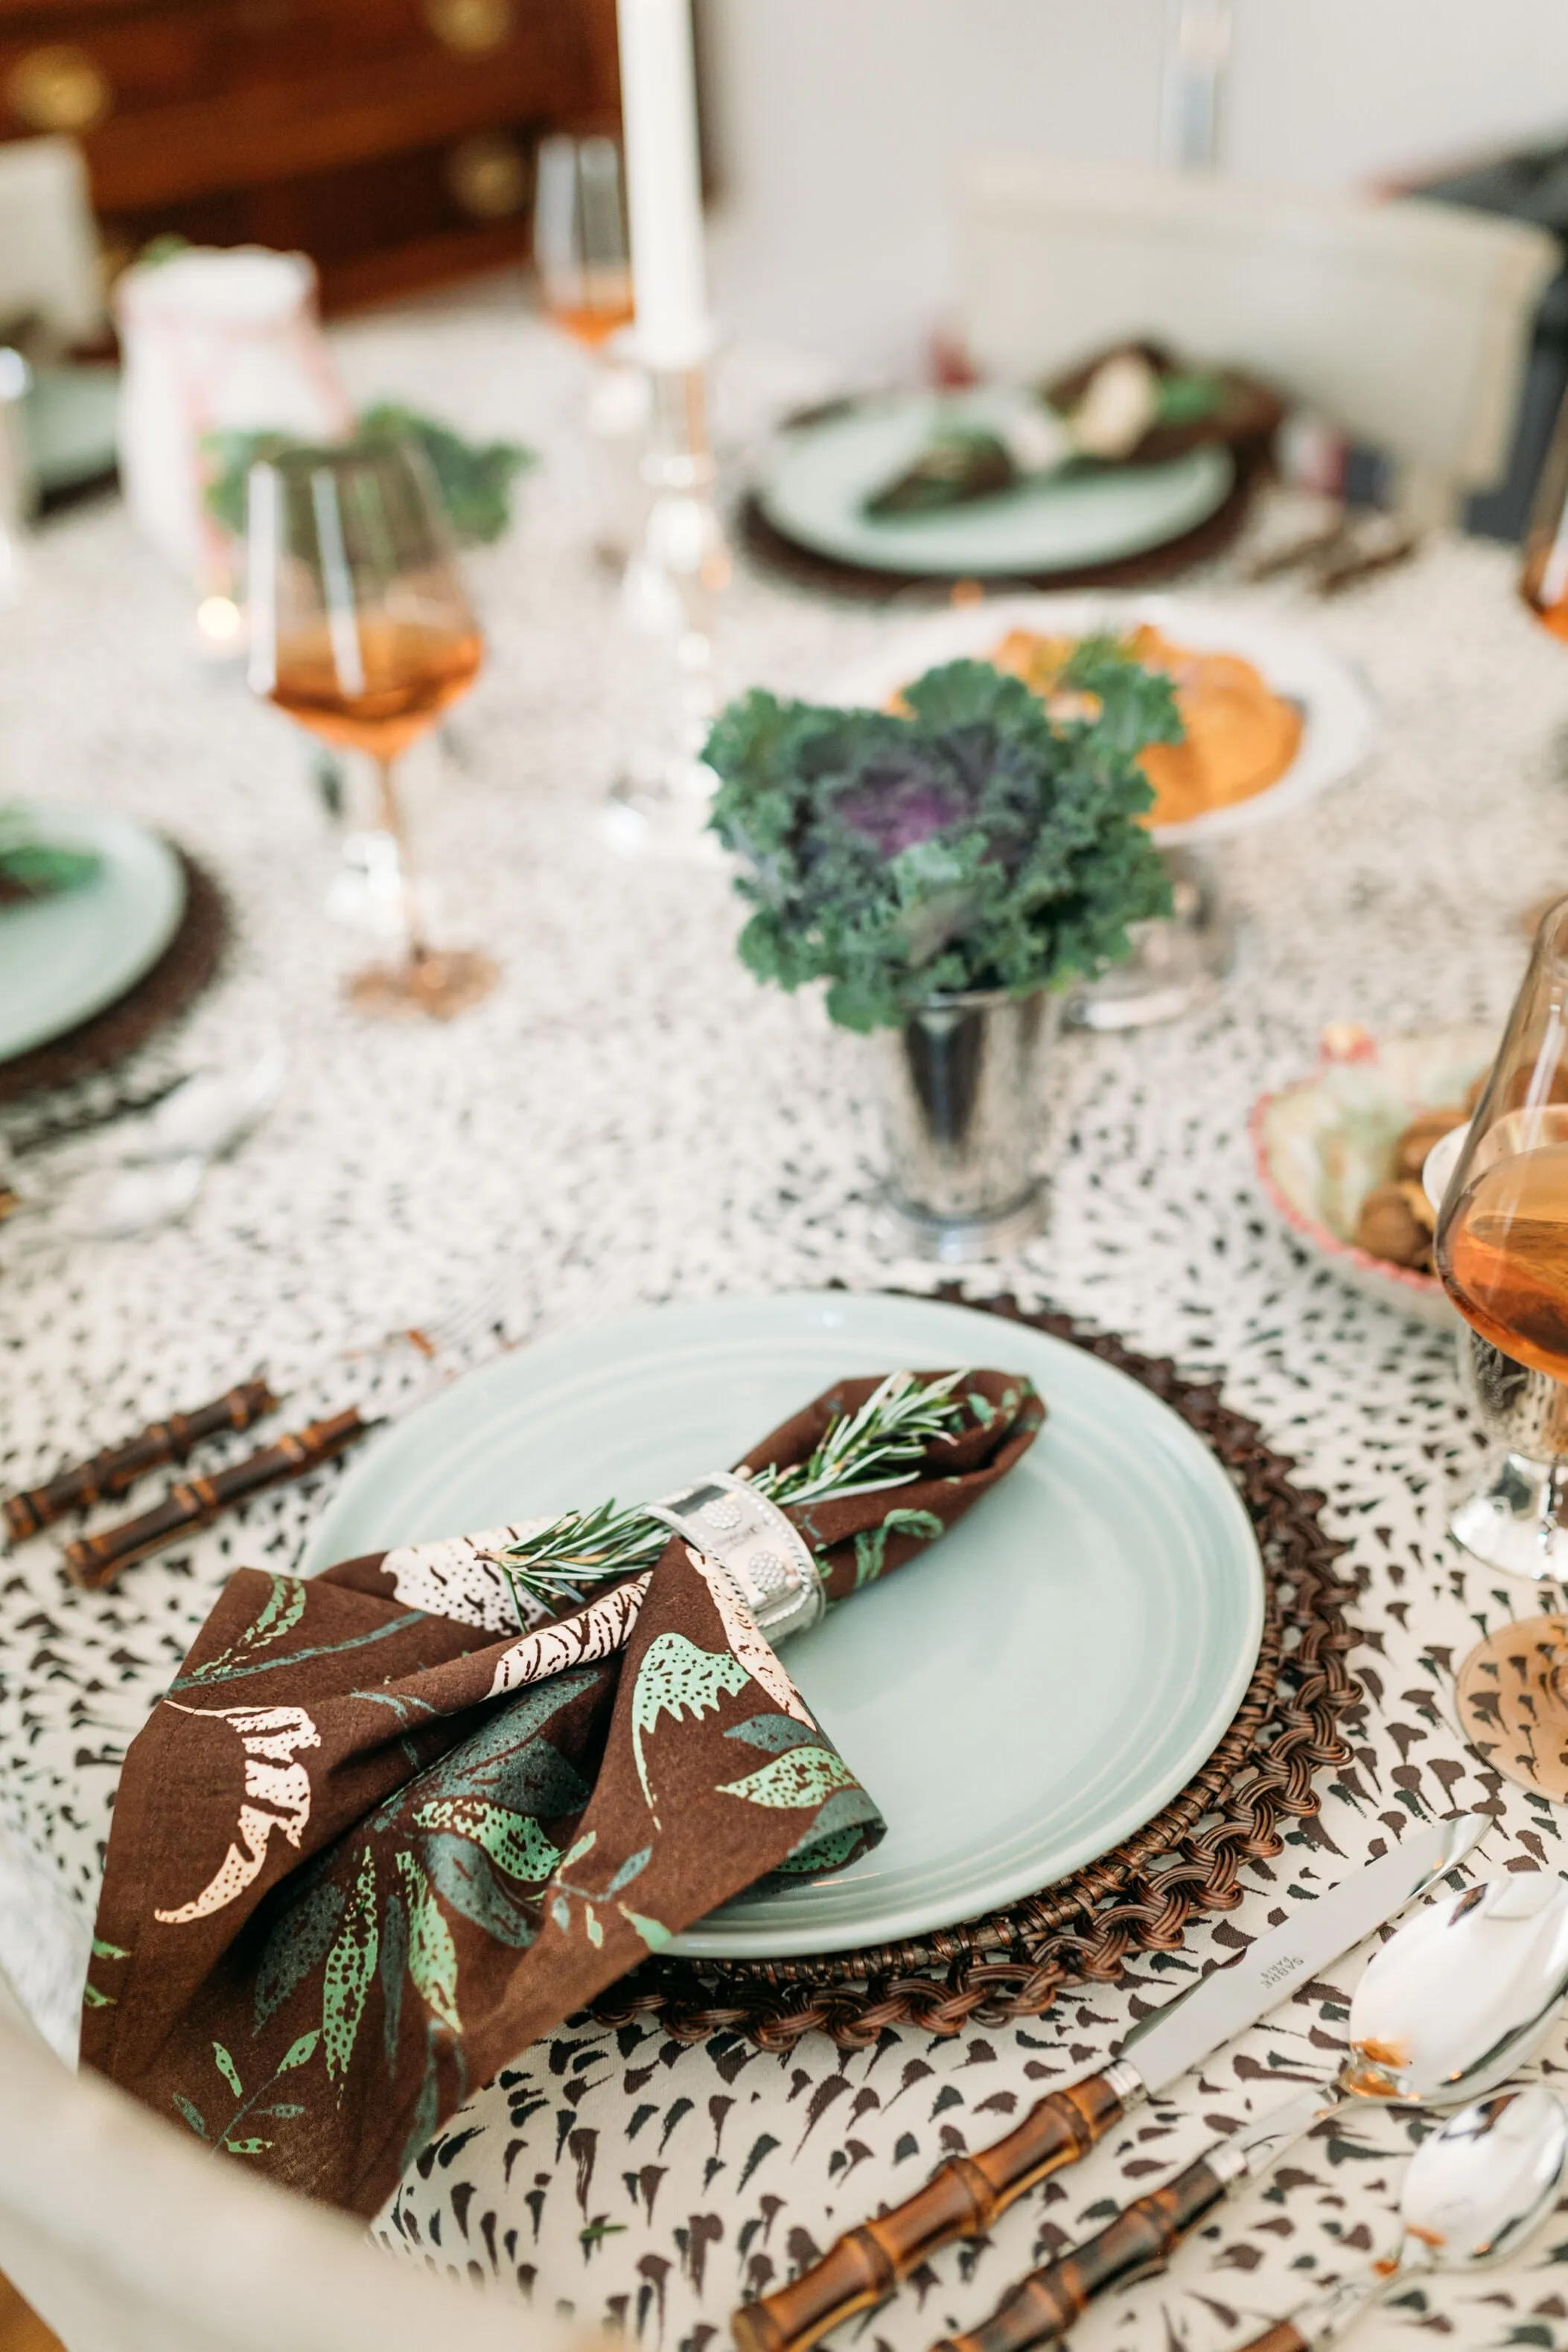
x=126 y=2237
x=1406 y=326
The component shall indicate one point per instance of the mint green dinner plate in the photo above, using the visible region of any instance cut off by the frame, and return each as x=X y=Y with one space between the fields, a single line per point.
x=1017 y=1700
x=65 y=958
x=821 y=475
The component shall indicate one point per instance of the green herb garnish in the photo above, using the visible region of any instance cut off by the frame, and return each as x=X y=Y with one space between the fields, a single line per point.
x=859 y=1454
x=1188 y=398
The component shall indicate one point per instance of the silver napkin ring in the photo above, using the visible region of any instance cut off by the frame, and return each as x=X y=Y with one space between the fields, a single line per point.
x=766 y=1559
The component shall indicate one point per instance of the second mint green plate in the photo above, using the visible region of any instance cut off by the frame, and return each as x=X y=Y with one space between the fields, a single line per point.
x=815 y=490
x=1017 y=1700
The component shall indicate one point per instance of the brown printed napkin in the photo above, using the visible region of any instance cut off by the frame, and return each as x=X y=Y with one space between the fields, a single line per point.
x=376 y=1840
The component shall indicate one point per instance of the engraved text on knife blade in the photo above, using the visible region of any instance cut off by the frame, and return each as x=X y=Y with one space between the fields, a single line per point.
x=1176 y=2038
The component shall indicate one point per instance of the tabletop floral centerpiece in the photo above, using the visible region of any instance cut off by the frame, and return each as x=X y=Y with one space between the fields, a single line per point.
x=949 y=867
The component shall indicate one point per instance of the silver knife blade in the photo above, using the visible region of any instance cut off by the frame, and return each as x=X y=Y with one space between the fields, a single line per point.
x=1174 y=2039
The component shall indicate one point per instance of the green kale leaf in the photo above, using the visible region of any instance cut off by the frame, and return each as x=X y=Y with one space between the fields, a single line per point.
x=970 y=841
x=475 y=479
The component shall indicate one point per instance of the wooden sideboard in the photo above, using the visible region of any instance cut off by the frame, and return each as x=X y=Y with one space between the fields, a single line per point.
x=391 y=139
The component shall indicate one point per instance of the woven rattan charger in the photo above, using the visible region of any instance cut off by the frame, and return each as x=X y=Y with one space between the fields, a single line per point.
x=1138 y=1897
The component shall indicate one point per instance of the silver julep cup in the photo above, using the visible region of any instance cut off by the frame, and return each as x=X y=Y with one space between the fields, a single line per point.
x=962 y=1088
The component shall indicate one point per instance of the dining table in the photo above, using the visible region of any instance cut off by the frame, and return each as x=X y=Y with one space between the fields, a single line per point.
x=630 y=1119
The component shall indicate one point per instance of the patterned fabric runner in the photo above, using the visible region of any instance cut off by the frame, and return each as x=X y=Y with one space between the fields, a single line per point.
x=361 y=1860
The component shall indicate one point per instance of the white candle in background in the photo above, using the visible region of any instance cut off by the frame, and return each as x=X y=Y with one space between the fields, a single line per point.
x=658 y=107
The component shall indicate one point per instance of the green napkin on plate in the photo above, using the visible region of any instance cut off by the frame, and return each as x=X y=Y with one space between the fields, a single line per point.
x=32 y=866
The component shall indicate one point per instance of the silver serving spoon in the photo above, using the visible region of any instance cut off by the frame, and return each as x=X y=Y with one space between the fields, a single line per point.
x=1482 y=2184
x=150 y=1173
x=111 y=1204
x=1460 y=1997
x=209 y=1112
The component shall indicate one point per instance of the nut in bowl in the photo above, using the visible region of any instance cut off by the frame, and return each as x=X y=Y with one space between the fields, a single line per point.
x=1340 y=1152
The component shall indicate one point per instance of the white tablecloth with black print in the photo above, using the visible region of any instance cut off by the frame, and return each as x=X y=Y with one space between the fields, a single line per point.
x=566 y=1128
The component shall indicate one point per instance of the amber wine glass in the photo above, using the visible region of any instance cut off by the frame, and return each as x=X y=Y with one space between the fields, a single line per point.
x=361 y=631
x=1502 y=1253
x=1544 y=581
x=581 y=248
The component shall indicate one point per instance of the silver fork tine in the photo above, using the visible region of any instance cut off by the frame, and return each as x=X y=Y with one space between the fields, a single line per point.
x=465 y=1318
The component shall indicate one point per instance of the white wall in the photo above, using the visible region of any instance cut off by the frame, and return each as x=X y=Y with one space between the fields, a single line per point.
x=1329 y=93
x=839 y=123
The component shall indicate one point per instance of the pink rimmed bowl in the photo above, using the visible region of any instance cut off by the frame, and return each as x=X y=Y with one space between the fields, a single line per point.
x=1323 y=1144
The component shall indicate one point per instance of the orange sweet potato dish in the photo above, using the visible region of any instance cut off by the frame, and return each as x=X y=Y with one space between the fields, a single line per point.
x=1241 y=737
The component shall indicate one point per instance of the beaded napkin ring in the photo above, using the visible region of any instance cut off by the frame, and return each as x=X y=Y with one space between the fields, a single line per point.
x=766 y=1559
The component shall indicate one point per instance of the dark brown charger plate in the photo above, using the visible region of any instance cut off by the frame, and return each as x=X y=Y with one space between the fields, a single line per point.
x=187 y=966
x=1141 y=1896
x=767 y=547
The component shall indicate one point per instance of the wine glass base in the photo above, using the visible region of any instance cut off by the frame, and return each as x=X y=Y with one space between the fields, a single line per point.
x=1509 y=1706
x=1516 y=1525
x=367 y=892
x=1179 y=961
x=439 y=984
x=663 y=816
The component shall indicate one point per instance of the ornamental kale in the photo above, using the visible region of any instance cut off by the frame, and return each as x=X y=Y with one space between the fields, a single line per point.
x=971 y=841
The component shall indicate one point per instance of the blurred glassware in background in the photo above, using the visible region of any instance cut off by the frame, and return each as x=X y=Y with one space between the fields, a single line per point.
x=17 y=486
x=361 y=630
x=1502 y=1253
x=582 y=252
x=660 y=804
x=214 y=341
x=581 y=248
x=1543 y=582
x=1197 y=44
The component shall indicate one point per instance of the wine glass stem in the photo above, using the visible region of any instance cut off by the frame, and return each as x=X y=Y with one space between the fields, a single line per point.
x=392 y=823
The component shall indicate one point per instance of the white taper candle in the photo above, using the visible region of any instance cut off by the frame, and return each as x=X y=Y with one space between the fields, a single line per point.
x=658 y=107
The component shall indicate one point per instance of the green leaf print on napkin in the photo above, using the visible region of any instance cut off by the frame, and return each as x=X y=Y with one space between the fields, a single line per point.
x=513 y=1840
x=802 y=1776
x=432 y=1955
x=350 y=1966
x=299 y=1943
x=675 y=1675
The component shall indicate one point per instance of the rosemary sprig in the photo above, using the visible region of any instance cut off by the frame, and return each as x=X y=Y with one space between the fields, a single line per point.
x=859 y=1454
